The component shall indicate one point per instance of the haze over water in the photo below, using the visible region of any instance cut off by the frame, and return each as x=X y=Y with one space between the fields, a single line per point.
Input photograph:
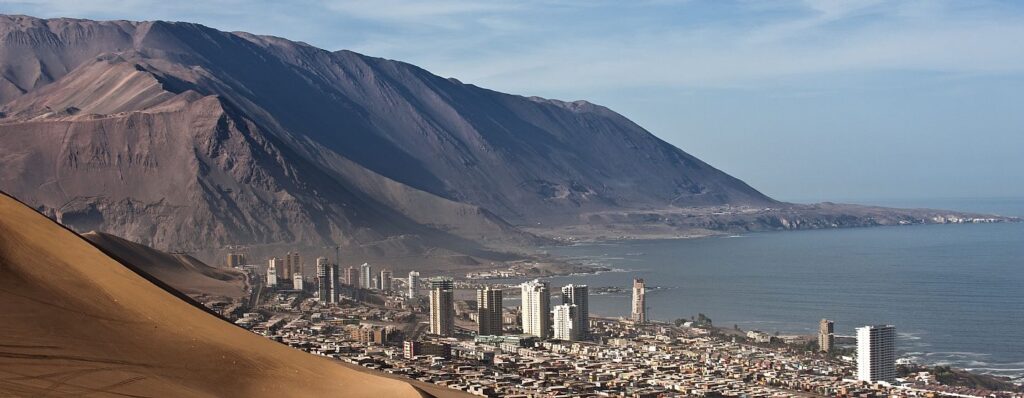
x=954 y=292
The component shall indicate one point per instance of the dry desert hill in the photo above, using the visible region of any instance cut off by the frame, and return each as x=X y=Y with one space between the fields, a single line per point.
x=78 y=323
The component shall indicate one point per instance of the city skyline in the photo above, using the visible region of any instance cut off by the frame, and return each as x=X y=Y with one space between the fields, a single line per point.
x=538 y=198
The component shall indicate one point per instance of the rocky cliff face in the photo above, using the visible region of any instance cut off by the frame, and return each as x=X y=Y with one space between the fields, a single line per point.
x=184 y=137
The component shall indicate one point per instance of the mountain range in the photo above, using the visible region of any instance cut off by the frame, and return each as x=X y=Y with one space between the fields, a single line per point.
x=184 y=137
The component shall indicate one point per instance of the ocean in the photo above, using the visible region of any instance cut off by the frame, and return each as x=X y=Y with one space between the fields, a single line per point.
x=954 y=292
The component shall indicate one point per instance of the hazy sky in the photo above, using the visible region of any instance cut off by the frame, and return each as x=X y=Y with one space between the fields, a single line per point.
x=808 y=100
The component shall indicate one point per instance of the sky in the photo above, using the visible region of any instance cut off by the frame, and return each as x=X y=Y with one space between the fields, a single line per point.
x=805 y=100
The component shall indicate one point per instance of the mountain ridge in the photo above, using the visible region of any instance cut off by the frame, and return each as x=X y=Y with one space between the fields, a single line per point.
x=184 y=137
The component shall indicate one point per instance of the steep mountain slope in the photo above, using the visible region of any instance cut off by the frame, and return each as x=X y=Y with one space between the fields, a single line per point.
x=182 y=272
x=77 y=323
x=181 y=136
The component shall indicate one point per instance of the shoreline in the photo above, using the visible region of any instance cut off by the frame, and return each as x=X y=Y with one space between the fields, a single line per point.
x=995 y=374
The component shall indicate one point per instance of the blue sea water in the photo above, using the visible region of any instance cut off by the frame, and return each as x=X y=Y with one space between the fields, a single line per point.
x=954 y=292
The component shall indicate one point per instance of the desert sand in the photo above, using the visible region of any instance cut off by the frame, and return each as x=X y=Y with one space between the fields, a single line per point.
x=181 y=271
x=76 y=322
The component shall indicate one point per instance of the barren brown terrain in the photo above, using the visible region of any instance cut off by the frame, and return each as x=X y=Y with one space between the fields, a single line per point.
x=78 y=323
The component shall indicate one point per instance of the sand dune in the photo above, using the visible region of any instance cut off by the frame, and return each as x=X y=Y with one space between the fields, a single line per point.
x=181 y=271
x=75 y=322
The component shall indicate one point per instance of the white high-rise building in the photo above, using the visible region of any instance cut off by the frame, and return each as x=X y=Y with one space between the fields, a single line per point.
x=536 y=298
x=566 y=322
x=414 y=284
x=272 y=267
x=365 y=276
x=639 y=314
x=297 y=281
x=876 y=353
x=578 y=295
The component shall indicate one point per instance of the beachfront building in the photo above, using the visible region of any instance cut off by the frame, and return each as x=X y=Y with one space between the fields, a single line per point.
x=826 y=335
x=536 y=301
x=639 y=313
x=488 y=310
x=442 y=306
x=578 y=295
x=876 y=353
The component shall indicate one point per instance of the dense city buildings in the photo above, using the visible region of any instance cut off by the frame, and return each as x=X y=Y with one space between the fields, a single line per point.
x=639 y=313
x=385 y=280
x=442 y=306
x=566 y=326
x=826 y=335
x=876 y=353
x=366 y=276
x=624 y=359
x=536 y=308
x=413 y=284
x=579 y=295
x=488 y=307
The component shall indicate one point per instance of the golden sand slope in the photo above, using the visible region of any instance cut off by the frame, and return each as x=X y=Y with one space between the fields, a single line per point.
x=74 y=322
x=183 y=272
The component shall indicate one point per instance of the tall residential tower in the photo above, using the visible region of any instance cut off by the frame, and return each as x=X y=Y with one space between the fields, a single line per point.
x=578 y=295
x=292 y=264
x=639 y=313
x=442 y=306
x=876 y=353
x=414 y=284
x=365 y=276
x=488 y=311
x=385 y=280
x=327 y=281
x=536 y=298
x=272 y=272
x=826 y=335
x=352 y=276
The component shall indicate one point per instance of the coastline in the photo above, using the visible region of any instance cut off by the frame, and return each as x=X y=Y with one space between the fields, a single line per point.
x=613 y=255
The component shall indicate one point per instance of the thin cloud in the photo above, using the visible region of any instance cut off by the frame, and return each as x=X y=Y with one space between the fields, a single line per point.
x=544 y=46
